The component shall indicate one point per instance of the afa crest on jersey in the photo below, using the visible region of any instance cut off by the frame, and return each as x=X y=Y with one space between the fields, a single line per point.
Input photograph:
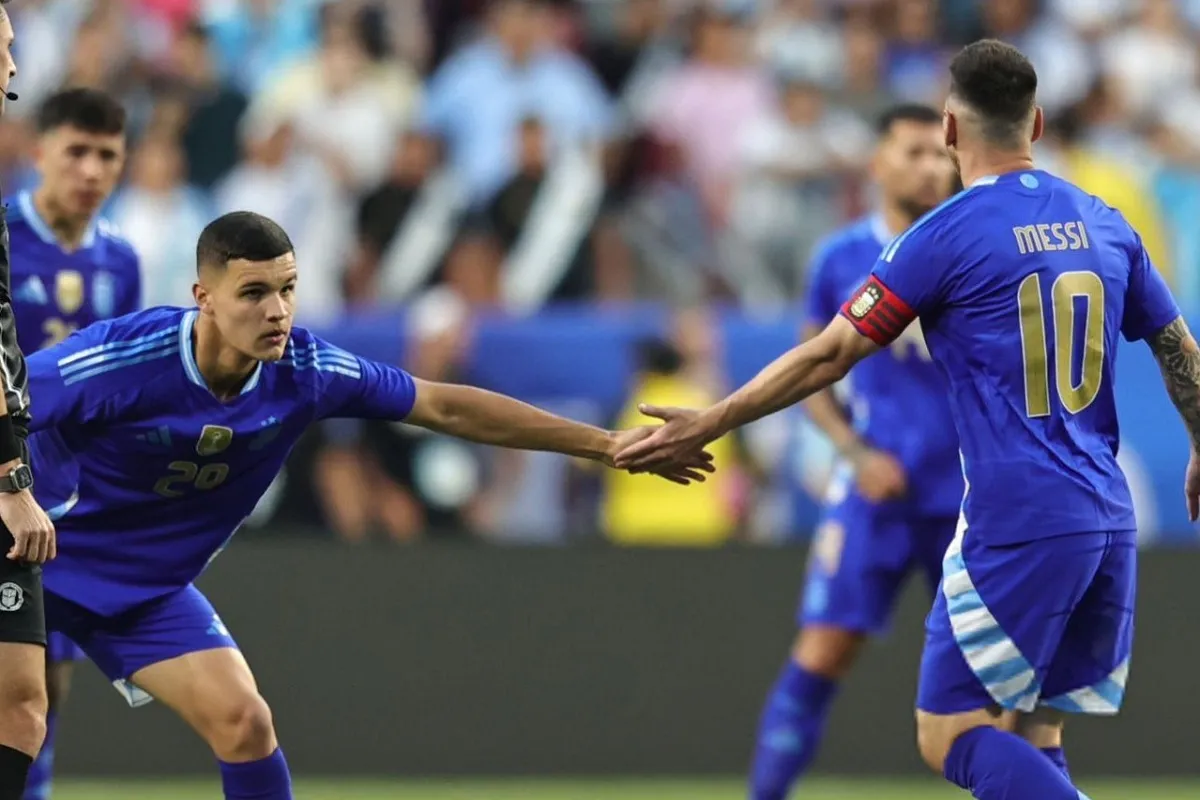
x=68 y=291
x=214 y=439
x=104 y=294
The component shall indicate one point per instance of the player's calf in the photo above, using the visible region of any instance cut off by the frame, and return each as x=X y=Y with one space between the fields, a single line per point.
x=22 y=713
x=793 y=721
x=58 y=687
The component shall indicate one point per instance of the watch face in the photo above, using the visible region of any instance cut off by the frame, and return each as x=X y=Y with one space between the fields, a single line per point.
x=22 y=477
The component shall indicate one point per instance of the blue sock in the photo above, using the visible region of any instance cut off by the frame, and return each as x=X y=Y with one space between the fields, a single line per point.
x=41 y=772
x=1058 y=758
x=997 y=765
x=790 y=730
x=265 y=779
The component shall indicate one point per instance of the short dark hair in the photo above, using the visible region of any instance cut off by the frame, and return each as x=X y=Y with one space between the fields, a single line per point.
x=906 y=112
x=241 y=235
x=89 y=110
x=997 y=81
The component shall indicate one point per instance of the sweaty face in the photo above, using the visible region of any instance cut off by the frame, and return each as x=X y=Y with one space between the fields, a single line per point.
x=252 y=304
x=79 y=170
x=913 y=166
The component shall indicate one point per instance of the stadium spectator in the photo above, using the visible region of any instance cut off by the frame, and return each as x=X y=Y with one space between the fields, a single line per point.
x=477 y=99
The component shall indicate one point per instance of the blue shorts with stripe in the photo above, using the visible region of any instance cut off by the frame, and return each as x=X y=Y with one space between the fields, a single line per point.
x=167 y=627
x=1041 y=623
x=861 y=557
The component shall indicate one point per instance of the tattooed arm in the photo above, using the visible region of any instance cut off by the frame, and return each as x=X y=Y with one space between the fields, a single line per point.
x=1179 y=359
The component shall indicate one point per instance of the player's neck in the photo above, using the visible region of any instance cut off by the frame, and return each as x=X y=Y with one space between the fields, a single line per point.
x=896 y=220
x=69 y=231
x=224 y=369
x=973 y=167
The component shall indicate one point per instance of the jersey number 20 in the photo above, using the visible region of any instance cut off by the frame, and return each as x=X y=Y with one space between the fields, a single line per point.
x=186 y=474
x=1075 y=397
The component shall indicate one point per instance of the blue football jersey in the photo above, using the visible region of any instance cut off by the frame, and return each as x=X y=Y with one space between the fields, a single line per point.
x=1022 y=284
x=163 y=471
x=897 y=397
x=55 y=293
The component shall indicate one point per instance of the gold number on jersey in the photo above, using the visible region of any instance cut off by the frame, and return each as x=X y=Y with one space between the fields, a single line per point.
x=56 y=330
x=1035 y=354
x=189 y=473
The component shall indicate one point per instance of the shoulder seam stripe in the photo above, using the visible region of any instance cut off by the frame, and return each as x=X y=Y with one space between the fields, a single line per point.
x=115 y=347
x=111 y=358
x=890 y=251
x=153 y=355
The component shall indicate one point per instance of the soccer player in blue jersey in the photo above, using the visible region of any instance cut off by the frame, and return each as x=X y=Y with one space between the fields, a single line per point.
x=893 y=503
x=156 y=434
x=69 y=270
x=1022 y=283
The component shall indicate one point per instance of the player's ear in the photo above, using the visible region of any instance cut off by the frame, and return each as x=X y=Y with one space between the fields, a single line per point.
x=949 y=128
x=200 y=295
x=1039 y=123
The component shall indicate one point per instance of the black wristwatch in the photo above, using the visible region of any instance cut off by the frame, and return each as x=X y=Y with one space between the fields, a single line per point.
x=18 y=479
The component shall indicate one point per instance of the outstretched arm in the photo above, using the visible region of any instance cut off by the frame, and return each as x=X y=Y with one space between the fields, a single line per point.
x=798 y=373
x=1179 y=359
x=489 y=418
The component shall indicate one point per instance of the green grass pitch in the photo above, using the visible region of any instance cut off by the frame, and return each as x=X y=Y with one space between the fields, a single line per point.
x=594 y=790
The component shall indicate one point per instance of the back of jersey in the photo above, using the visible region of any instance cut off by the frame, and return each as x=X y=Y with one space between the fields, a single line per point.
x=1023 y=284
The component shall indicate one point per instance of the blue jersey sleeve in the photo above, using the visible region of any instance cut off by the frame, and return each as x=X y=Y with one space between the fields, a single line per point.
x=350 y=386
x=1149 y=306
x=908 y=280
x=913 y=267
x=822 y=303
x=62 y=396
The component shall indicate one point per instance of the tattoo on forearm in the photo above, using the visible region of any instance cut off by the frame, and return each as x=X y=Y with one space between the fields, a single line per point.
x=1179 y=359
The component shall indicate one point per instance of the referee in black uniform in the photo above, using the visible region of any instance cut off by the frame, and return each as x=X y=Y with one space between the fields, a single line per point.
x=26 y=535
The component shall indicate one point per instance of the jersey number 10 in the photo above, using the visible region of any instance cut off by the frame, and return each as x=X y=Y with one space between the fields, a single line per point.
x=1067 y=286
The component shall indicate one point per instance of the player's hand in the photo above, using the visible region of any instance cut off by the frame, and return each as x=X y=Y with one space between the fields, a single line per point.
x=879 y=475
x=31 y=529
x=677 y=442
x=691 y=468
x=1191 y=487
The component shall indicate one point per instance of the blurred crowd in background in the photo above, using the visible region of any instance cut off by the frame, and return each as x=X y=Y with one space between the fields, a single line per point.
x=453 y=156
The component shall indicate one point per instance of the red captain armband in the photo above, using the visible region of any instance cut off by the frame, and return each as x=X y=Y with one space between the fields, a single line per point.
x=877 y=313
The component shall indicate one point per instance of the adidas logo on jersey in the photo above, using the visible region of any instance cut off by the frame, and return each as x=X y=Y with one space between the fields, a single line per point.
x=32 y=291
x=160 y=436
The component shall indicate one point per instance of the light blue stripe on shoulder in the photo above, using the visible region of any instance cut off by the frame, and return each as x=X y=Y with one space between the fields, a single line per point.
x=163 y=350
x=329 y=359
x=115 y=349
x=890 y=252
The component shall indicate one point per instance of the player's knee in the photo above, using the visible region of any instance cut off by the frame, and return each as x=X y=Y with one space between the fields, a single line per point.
x=242 y=729
x=934 y=738
x=23 y=707
x=829 y=652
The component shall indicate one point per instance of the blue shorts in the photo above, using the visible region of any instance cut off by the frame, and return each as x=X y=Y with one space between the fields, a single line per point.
x=860 y=558
x=60 y=649
x=164 y=628
x=1043 y=623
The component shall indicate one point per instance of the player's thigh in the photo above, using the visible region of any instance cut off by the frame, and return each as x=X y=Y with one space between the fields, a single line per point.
x=1090 y=668
x=856 y=568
